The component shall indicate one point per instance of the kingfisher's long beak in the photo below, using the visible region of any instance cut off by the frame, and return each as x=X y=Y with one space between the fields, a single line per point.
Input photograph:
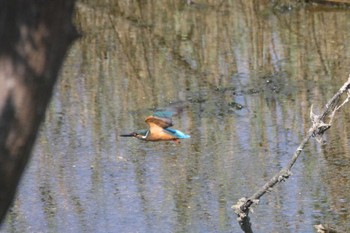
x=127 y=135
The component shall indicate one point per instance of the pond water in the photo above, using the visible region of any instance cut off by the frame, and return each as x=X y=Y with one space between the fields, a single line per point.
x=241 y=77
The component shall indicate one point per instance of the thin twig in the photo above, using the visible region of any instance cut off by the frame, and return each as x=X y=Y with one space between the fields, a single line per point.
x=244 y=205
x=326 y=229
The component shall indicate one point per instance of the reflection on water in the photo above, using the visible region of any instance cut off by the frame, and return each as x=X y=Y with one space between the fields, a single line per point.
x=204 y=61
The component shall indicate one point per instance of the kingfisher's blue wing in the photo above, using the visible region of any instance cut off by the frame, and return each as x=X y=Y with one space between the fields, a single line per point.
x=177 y=133
x=161 y=119
x=163 y=114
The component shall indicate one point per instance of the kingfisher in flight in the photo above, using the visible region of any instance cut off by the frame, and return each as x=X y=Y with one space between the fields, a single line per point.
x=159 y=129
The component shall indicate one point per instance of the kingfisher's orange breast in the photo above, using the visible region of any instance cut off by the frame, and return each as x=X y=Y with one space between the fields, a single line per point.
x=160 y=136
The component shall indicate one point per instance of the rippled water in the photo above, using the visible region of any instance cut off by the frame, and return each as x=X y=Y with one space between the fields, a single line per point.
x=202 y=62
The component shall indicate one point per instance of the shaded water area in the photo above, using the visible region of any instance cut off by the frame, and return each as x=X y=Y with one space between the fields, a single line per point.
x=241 y=79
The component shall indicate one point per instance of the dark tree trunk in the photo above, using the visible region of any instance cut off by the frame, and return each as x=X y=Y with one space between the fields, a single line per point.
x=34 y=38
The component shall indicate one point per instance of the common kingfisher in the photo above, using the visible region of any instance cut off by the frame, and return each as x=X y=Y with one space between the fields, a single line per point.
x=159 y=130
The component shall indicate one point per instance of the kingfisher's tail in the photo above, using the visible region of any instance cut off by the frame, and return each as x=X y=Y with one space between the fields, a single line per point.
x=177 y=133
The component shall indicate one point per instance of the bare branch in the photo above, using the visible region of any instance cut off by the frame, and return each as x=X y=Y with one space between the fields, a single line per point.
x=317 y=130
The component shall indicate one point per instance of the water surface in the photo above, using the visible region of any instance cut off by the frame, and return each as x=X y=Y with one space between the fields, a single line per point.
x=203 y=62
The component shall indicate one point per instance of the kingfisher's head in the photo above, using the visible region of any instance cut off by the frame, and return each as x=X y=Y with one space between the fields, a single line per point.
x=140 y=134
